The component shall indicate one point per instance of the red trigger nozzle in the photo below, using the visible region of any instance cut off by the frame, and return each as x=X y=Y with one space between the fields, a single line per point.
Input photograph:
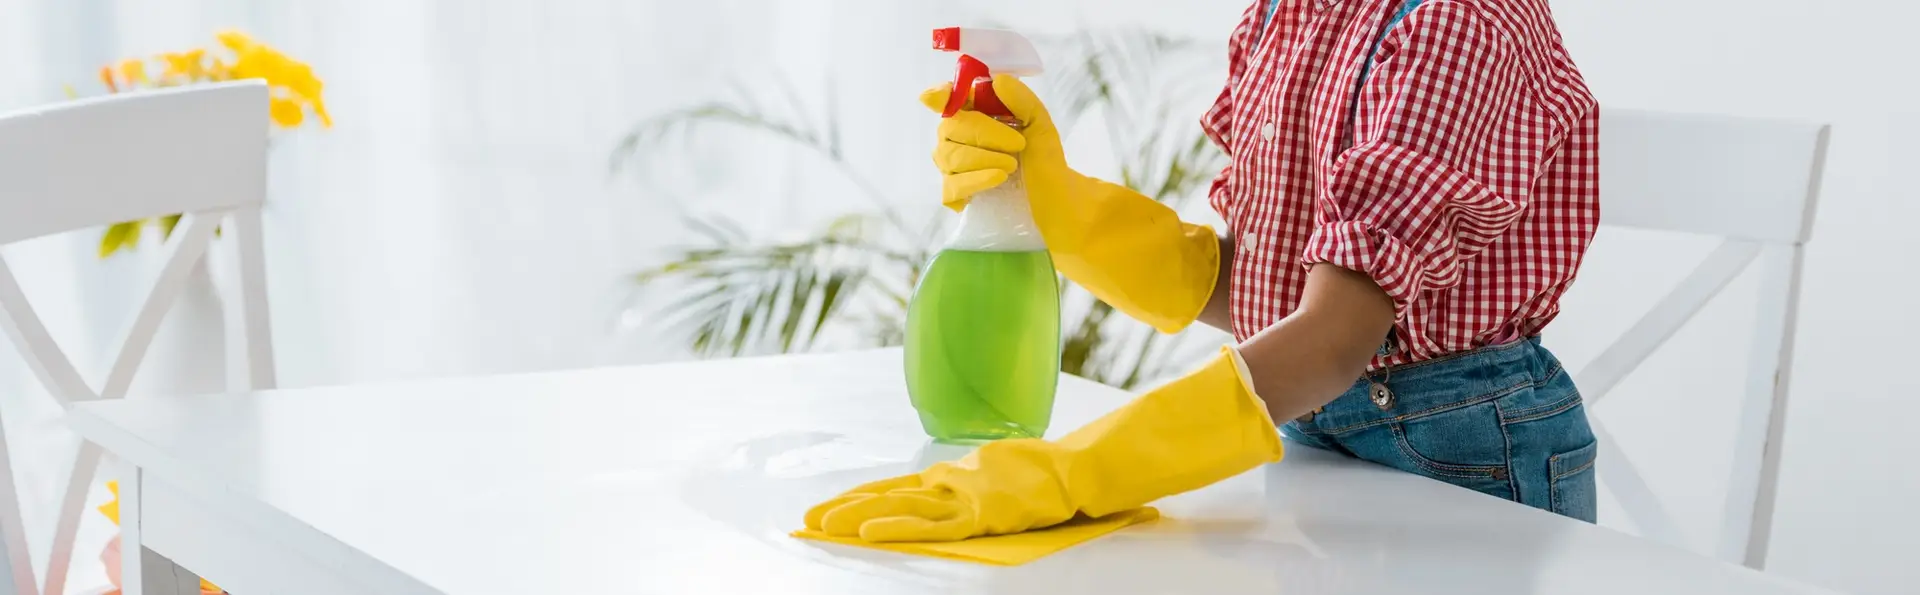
x=970 y=71
x=986 y=102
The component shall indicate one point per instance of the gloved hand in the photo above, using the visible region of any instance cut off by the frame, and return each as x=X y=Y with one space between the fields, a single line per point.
x=1184 y=435
x=1126 y=248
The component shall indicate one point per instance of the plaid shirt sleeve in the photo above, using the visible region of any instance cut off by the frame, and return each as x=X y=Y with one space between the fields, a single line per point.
x=1448 y=140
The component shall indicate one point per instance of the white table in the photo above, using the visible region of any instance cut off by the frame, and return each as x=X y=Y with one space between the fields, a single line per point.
x=686 y=478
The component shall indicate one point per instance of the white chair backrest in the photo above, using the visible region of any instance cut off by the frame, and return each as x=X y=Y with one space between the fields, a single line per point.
x=1732 y=177
x=199 y=151
x=126 y=157
x=1753 y=183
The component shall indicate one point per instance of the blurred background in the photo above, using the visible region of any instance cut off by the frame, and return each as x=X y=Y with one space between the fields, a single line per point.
x=513 y=186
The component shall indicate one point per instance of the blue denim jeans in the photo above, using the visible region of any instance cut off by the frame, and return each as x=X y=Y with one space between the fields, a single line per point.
x=1504 y=421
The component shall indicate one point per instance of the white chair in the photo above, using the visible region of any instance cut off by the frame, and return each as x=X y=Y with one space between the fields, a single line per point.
x=1752 y=183
x=200 y=151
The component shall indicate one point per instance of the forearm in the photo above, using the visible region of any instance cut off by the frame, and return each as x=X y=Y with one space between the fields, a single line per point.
x=1217 y=313
x=1308 y=358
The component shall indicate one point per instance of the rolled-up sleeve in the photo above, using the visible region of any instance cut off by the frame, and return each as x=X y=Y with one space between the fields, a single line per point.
x=1448 y=139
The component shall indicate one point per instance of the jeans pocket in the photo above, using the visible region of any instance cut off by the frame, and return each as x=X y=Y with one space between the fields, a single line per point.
x=1466 y=447
x=1571 y=483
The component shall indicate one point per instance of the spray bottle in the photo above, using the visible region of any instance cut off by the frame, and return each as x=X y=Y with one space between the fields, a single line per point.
x=983 y=326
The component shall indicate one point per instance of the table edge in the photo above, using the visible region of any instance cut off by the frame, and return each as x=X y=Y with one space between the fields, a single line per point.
x=304 y=540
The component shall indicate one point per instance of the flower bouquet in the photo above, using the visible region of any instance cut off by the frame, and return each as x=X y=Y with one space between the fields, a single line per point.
x=296 y=93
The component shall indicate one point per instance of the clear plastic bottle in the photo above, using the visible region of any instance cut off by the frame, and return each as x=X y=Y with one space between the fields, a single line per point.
x=983 y=327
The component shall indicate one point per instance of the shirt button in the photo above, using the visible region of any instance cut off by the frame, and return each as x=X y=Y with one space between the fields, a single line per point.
x=1250 y=241
x=1266 y=131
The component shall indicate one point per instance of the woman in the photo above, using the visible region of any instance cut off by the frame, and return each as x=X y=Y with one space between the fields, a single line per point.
x=1412 y=186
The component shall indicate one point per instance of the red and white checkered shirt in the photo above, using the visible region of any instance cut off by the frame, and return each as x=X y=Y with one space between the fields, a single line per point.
x=1468 y=187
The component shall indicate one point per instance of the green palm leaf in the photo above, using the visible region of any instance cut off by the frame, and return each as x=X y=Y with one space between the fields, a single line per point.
x=738 y=297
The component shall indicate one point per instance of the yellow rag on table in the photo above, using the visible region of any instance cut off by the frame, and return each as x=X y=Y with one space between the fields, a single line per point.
x=1006 y=550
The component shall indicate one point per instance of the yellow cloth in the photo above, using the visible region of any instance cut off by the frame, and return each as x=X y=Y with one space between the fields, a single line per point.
x=1189 y=433
x=1006 y=550
x=1125 y=248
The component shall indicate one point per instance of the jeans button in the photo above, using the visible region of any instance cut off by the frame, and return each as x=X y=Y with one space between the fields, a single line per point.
x=1381 y=395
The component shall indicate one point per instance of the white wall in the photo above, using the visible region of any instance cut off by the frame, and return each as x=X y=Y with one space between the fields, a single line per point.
x=460 y=219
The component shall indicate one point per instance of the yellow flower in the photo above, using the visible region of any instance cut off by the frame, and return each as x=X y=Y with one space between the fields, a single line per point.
x=286 y=112
x=106 y=76
x=247 y=65
x=295 y=88
x=219 y=71
x=112 y=508
x=186 y=64
x=301 y=81
x=257 y=60
x=235 y=40
x=133 y=71
x=263 y=63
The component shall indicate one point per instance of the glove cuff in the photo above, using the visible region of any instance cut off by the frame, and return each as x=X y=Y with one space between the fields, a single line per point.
x=1132 y=252
x=1187 y=434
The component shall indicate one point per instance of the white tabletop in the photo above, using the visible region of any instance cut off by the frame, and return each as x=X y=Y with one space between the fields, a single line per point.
x=686 y=478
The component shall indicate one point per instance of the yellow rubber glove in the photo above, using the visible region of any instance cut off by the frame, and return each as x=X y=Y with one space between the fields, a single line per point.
x=1184 y=435
x=1126 y=248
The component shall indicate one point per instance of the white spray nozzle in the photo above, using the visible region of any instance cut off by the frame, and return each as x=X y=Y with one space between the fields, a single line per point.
x=1003 y=51
x=982 y=53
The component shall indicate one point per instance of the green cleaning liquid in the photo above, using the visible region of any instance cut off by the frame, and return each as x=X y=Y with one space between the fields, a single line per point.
x=983 y=345
x=983 y=327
